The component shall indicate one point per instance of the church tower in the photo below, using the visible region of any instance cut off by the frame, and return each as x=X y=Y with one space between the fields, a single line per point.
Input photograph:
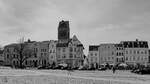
x=63 y=31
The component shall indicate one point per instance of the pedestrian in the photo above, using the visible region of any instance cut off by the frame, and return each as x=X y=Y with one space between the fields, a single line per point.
x=114 y=69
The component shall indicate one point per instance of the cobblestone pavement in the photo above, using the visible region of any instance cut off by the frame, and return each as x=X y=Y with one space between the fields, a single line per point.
x=75 y=77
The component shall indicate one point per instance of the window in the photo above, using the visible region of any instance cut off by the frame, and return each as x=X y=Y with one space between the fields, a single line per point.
x=105 y=59
x=137 y=52
x=141 y=52
x=14 y=56
x=130 y=58
x=112 y=53
x=7 y=50
x=145 y=52
x=130 y=51
x=126 y=52
x=95 y=54
x=36 y=50
x=119 y=54
x=71 y=49
x=145 y=58
x=134 y=52
x=14 y=50
x=50 y=51
x=117 y=59
x=74 y=49
x=63 y=49
x=59 y=49
x=44 y=54
x=64 y=56
x=141 y=58
x=126 y=58
x=52 y=46
x=74 y=56
x=35 y=55
x=52 y=57
x=41 y=54
x=101 y=58
x=71 y=55
x=91 y=60
x=26 y=62
x=138 y=58
x=91 y=54
x=58 y=56
x=108 y=58
x=133 y=57
x=7 y=55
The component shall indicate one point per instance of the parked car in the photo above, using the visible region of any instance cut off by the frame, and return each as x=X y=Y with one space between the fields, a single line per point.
x=75 y=68
x=44 y=67
x=142 y=71
x=82 y=68
x=92 y=68
x=57 y=67
x=102 y=68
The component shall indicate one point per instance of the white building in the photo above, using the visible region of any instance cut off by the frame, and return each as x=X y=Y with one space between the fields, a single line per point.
x=136 y=52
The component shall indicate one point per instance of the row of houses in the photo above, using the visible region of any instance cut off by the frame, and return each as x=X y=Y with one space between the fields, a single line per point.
x=70 y=51
x=53 y=52
x=129 y=52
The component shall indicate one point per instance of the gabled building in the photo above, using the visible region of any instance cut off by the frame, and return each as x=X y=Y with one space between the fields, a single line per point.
x=68 y=50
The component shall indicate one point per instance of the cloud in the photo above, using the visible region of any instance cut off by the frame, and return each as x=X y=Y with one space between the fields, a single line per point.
x=94 y=21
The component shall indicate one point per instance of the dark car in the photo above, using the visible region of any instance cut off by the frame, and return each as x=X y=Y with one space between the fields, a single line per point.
x=41 y=67
x=92 y=68
x=142 y=71
x=57 y=67
x=44 y=67
x=102 y=69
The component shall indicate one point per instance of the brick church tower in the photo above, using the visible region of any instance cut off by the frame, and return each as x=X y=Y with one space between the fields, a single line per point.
x=63 y=31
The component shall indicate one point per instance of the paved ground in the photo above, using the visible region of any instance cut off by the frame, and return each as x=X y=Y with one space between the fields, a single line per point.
x=9 y=76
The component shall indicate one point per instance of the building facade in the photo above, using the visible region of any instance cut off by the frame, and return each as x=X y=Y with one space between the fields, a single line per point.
x=136 y=52
x=1 y=57
x=68 y=50
x=52 y=52
x=107 y=54
x=93 y=55
x=119 y=53
x=64 y=50
x=39 y=54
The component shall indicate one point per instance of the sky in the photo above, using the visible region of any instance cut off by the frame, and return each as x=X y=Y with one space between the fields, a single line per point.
x=92 y=21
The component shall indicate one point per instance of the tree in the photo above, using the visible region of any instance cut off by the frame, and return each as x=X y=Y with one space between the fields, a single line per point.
x=24 y=51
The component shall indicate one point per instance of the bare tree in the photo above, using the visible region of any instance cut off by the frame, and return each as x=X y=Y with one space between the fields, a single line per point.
x=24 y=51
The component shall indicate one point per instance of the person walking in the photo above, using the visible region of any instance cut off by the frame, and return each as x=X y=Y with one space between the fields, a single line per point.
x=114 y=69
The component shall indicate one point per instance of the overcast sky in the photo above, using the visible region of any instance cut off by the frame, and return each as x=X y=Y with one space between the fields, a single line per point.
x=93 y=21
